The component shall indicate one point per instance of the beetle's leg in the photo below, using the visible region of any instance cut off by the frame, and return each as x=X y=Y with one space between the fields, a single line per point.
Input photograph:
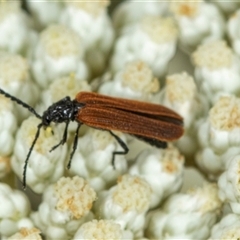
x=64 y=138
x=123 y=145
x=74 y=145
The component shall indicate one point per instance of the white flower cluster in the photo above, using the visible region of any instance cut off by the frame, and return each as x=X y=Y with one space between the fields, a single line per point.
x=184 y=55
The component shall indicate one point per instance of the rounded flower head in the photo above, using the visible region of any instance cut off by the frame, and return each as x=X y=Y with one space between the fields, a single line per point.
x=219 y=136
x=229 y=187
x=227 y=228
x=152 y=40
x=93 y=159
x=216 y=75
x=26 y=234
x=65 y=207
x=59 y=41
x=74 y=195
x=15 y=79
x=198 y=22
x=13 y=69
x=93 y=8
x=44 y=167
x=207 y=56
x=186 y=216
x=13 y=38
x=126 y=203
x=138 y=193
x=162 y=169
x=14 y=210
x=134 y=81
x=159 y=30
x=102 y=229
x=58 y=52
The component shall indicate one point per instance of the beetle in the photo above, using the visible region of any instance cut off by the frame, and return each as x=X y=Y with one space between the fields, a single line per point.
x=152 y=123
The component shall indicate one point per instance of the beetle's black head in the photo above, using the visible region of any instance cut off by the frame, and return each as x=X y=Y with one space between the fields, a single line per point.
x=64 y=110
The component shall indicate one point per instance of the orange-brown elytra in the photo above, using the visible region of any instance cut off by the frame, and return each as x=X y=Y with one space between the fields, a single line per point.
x=152 y=123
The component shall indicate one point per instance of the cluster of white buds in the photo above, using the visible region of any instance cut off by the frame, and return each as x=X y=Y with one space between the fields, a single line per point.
x=217 y=75
x=99 y=167
x=90 y=20
x=219 y=136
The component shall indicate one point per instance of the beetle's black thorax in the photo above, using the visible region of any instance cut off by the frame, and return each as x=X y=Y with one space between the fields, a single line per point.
x=64 y=110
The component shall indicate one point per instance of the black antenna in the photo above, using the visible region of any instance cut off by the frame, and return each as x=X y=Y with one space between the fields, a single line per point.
x=29 y=153
x=25 y=105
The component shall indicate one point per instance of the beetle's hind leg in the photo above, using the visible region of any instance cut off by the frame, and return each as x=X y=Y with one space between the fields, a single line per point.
x=122 y=144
